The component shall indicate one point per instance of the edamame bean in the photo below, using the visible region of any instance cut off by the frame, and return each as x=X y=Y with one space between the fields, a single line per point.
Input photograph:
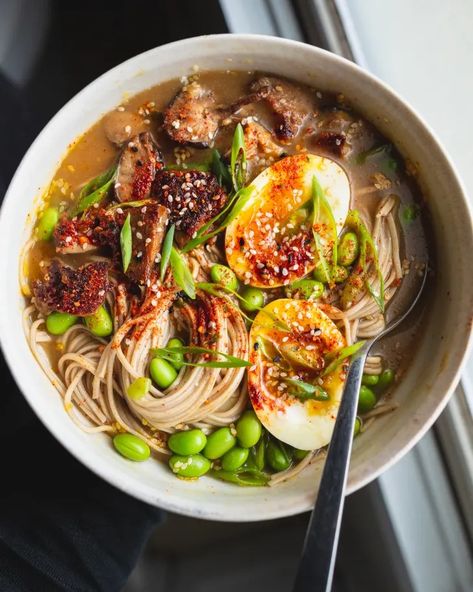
x=259 y=453
x=248 y=429
x=235 y=458
x=219 y=442
x=57 y=323
x=187 y=442
x=370 y=379
x=357 y=427
x=139 y=388
x=253 y=299
x=348 y=249
x=299 y=454
x=162 y=372
x=100 y=322
x=385 y=380
x=47 y=223
x=190 y=467
x=339 y=274
x=366 y=399
x=177 y=358
x=277 y=456
x=223 y=275
x=322 y=274
x=305 y=289
x=131 y=447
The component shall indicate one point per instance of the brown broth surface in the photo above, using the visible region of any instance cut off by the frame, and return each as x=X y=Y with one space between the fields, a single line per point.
x=92 y=153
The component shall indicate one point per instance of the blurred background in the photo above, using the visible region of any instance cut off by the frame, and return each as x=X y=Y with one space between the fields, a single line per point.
x=412 y=529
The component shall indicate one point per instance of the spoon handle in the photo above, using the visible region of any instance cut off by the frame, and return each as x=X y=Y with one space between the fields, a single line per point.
x=320 y=547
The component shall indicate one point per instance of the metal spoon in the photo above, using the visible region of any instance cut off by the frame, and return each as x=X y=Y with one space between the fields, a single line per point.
x=320 y=546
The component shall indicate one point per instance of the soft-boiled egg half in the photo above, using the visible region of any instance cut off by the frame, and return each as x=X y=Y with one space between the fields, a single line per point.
x=270 y=243
x=290 y=344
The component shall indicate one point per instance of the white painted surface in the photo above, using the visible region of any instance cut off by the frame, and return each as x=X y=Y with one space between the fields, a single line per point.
x=424 y=49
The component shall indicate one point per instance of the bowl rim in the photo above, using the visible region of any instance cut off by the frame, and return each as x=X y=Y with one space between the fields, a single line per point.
x=17 y=367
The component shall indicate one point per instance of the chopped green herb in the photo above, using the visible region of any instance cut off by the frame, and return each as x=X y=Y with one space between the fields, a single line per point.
x=382 y=149
x=126 y=243
x=409 y=213
x=305 y=391
x=181 y=273
x=244 y=479
x=189 y=166
x=94 y=191
x=237 y=203
x=342 y=355
x=169 y=353
x=238 y=158
x=166 y=250
x=220 y=170
x=368 y=253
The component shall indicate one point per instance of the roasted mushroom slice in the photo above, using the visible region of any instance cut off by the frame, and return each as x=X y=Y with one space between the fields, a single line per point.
x=139 y=161
x=98 y=227
x=75 y=291
x=291 y=104
x=148 y=226
x=261 y=150
x=192 y=117
x=121 y=126
x=193 y=197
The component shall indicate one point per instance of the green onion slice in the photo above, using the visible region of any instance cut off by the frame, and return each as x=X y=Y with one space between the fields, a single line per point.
x=126 y=243
x=230 y=361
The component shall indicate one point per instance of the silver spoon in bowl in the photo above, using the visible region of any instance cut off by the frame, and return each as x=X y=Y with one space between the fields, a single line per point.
x=317 y=563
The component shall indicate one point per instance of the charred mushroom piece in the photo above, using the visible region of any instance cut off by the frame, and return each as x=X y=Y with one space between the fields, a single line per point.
x=192 y=117
x=139 y=161
x=148 y=225
x=121 y=126
x=261 y=150
x=193 y=198
x=291 y=104
x=97 y=228
x=337 y=131
x=75 y=291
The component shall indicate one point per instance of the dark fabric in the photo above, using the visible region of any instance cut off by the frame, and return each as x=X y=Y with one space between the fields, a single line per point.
x=61 y=527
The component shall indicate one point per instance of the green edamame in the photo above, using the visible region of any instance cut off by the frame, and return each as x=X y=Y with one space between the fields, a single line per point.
x=366 y=399
x=162 y=372
x=253 y=299
x=57 y=323
x=223 y=275
x=131 y=447
x=386 y=378
x=235 y=458
x=300 y=454
x=47 y=223
x=188 y=442
x=348 y=249
x=339 y=274
x=278 y=456
x=306 y=289
x=177 y=358
x=357 y=426
x=139 y=388
x=100 y=322
x=248 y=429
x=189 y=467
x=218 y=443
x=370 y=379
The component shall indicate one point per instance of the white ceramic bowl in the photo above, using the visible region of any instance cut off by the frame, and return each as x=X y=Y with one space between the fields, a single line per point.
x=442 y=346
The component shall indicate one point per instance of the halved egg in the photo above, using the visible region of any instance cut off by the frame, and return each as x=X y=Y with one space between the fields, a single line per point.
x=270 y=243
x=290 y=341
